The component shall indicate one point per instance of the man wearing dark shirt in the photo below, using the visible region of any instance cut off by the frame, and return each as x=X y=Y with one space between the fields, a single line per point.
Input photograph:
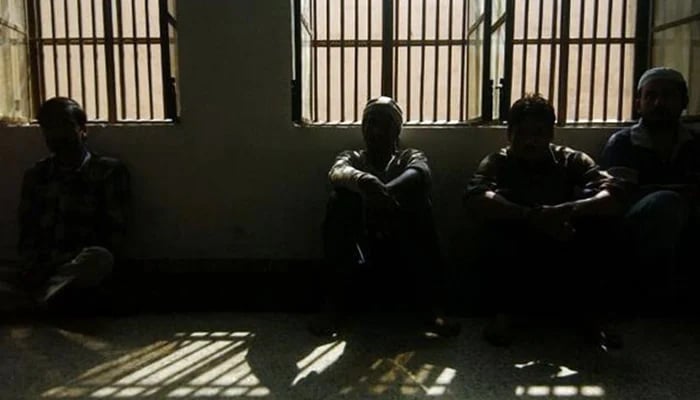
x=661 y=157
x=379 y=226
x=540 y=205
x=73 y=208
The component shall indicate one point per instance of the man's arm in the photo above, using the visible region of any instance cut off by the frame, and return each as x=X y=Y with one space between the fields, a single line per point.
x=28 y=221
x=414 y=182
x=482 y=197
x=117 y=203
x=344 y=174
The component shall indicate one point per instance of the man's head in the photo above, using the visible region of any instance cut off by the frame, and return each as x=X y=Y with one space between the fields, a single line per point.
x=381 y=125
x=531 y=127
x=662 y=95
x=62 y=122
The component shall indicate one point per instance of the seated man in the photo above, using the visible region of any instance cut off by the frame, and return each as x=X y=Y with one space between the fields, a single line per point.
x=379 y=226
x=662 y=157
x=73 y=208
x=541 y=206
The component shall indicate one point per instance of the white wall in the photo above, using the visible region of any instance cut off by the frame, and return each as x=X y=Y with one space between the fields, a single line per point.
x=235 y=179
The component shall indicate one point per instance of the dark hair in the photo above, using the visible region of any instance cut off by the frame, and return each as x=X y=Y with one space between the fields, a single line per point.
x=55 y=112
x=532 y=105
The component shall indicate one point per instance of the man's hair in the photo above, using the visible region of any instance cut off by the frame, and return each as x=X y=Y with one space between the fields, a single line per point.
x=55 y=112
x=386 y=106
x=533 y=106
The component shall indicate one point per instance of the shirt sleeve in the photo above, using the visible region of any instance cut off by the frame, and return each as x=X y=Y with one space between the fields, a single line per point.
x=344 y=172
x=588 y=176
x=419 y=161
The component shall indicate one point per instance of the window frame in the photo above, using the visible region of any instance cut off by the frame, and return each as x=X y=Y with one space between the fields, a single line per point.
x=166 y=23
x=641 y=62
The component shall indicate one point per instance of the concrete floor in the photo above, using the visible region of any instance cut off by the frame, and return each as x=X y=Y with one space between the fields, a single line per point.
x=267 y=355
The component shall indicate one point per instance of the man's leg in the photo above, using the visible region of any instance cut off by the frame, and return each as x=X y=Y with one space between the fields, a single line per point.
x=655 y=224
x=343 y=251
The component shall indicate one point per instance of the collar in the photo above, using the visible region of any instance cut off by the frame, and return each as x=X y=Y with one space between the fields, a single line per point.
x=552 y=159
x=53 y=166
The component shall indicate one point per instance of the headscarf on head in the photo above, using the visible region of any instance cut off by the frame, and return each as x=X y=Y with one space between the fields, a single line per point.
x=384 y=105
x=665 y=73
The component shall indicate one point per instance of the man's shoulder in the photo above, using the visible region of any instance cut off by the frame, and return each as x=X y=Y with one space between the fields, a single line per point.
x=621 y=137
x=409 y=152
x=106 y=162
x=561 y=151
x=104 y=167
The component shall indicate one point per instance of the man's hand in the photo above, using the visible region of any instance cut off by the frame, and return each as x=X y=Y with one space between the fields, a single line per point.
x=554 y=221
x=376 y=194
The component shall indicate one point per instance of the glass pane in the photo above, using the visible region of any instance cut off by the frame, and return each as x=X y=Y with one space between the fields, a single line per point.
x=14 y=79
x=679 y=48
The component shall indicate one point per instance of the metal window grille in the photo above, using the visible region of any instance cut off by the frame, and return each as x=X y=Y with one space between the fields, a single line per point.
x=465 y=61
x=115 y=57
x=675 y=34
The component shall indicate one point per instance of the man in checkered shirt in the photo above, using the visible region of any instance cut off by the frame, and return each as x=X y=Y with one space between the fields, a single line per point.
x=73 y=208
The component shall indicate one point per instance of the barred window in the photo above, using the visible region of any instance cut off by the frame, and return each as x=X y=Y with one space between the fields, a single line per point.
x=466 y=61
x=676 y=41
x=116 y=57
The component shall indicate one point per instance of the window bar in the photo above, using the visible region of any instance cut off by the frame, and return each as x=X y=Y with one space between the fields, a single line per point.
x=449 y=60
x=553 y=51
x=580 y=61
x=486 y=82
x=55 y=49
x=525 y=36
x=564 y=62
x=408 y=62
x=607 y=61
x=387 y=47
x=328 y=61
x=109 y=60
x=422 y=67
x=395 y=90
x=342 y=61
x=539 y=47
x=642 y=37
x=149 y=57
x=94 y=59
x=169 y=101
x=357 y=58
x=137 y=89
x=437 y=60
x=369 y=49
x=623 y=34
x=122 y=81
x=81 y=49
x=508 y=61
x=36 y=56
x=463 y=61
x=69 y=68
x=593 y=60
x=315 y=63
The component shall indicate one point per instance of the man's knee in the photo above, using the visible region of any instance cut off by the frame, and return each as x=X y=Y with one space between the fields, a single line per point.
x=664 y=210
x=90 y=267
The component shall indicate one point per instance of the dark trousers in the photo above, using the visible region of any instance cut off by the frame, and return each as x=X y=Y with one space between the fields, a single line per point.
x=377 y=258
x=662 y=233
x=528 y=271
